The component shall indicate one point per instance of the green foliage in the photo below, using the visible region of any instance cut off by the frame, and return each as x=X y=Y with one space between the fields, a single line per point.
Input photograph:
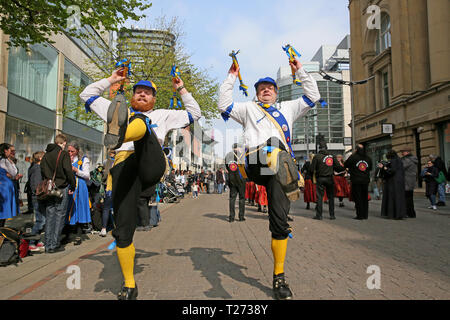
x=156 y=64
x=35 y=21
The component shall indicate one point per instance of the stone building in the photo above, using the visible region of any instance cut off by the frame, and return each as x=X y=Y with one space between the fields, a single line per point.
x=408 y=55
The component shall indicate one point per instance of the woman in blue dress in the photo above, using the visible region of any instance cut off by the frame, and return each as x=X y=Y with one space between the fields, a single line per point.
x=7 y=198
x=79 y=211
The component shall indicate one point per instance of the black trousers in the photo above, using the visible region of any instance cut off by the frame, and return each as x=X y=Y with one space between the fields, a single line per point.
x=325 y=183
x=278 y=203
x=234 y=191
x=360 y=194
x=409 y=197
x=141 y=170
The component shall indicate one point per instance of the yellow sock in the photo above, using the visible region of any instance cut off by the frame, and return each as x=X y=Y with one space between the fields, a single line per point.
x=135 y=130
x=279 y=248
x=126 y=260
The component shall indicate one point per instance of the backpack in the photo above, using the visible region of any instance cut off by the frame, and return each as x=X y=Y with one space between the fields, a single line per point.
x=10 y=241
x=441 y=178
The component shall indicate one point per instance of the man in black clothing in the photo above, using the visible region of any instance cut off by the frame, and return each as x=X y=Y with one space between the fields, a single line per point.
x=56 y=208
x=235 y=181
x=323 y=166
x=359 y=166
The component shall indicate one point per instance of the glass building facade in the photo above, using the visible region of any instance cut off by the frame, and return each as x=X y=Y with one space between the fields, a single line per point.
x=33 y=75
x=327 y=121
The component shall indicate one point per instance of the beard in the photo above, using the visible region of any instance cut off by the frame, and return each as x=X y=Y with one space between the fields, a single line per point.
x=142 y=106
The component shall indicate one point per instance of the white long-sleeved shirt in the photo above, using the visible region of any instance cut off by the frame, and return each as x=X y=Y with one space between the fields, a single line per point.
x=9 y=166
x=85 y=171
x=165 y=120
x=257 y=127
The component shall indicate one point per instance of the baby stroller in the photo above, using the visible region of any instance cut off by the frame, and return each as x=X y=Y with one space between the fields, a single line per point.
x=180 y=189
x=168 y=193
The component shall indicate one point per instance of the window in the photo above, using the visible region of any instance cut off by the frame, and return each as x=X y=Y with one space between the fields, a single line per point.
x=33 y=75
x=384 y=34
x=385 y=87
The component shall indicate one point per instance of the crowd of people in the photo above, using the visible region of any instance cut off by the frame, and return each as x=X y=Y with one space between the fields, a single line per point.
x=393 y=181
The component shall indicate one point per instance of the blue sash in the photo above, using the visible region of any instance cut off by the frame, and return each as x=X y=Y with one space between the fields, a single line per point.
x=281 y=120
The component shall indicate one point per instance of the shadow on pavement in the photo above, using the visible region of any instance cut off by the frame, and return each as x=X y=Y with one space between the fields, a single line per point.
x=212 y=262
x=110 y=278
x=223 y=217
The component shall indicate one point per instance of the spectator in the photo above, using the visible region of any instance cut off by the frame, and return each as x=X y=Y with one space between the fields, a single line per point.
x=410 y=166
x=7 y=192
x=57 y=160
x=440 y=165
x=377 y=183
x=220 y=179
x=34 y=178
x=202 y=181
x=309 y=193
x=429 y=174
x=393 y=204
x=210 y=182
x=195 y=190
x=341 y=187
x=359 y=166
x=7 y=163
x=79 y=212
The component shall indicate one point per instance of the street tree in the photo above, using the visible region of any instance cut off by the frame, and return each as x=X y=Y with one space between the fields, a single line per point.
x=36 y=21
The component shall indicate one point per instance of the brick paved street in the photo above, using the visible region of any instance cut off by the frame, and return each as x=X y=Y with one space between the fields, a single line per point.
x=196 y=254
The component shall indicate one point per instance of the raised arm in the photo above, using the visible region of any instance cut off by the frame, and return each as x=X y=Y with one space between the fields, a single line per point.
x=227 y=107
x=182 y=118
x=311 y=93
x=91 y=95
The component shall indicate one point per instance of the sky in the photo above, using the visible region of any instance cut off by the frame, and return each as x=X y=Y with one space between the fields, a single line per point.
x=257 y=28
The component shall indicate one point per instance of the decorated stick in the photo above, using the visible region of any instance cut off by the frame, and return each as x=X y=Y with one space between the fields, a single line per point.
x=242 y=86
x=292 y=53
x=174 y=101
x=125 y=63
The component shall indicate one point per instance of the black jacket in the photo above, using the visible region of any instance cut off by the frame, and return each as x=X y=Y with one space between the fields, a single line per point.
x=234 y=176
x=64 y=174
x=324 y=164
x=359 y=166
x=306 y=170
x=34 y=177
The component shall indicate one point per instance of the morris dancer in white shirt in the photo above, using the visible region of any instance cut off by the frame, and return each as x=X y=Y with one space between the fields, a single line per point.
x=266 y=125
x=139 y=162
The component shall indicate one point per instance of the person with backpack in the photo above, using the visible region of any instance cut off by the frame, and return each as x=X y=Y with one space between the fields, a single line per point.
x=34 y=178
x=56 y=163
x=441 y=178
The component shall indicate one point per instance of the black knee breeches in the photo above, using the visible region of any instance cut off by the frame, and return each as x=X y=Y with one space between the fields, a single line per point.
x=142 y=169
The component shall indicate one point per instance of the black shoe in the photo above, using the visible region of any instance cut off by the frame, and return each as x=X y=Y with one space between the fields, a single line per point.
x=230 y=220
x=259 y=209
x=55 y=250
x=241 y=219
x=117 y=118
x=317 y=218
x=332 y=218
x=281 y=288
x=289 y=218
x=307 y=206
x=77 y=241
x=128 y=293
x=341 y=204
x=264 y=210
x=358 y=218
x=440 y=204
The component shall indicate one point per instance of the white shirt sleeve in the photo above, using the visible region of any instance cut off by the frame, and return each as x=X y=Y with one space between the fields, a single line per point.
x=85 y=173
x=100 y=105
x=238 y=112
x=8 y=166
x=176 y=119
x=299 y=107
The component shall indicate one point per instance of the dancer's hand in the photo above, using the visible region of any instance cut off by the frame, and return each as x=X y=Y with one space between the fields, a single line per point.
x=178 y=83
x=295 y=64
x=234 y=69
x=117 y=75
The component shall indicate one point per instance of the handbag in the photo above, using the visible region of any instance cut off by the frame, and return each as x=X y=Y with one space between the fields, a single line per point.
x=47 y=189
x=441 y=178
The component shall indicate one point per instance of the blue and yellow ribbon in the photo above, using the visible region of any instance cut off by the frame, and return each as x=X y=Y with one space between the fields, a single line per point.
x=174 y=101
x=242 y=86
x=292 y=53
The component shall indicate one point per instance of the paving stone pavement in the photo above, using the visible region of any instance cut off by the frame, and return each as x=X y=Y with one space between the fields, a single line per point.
x=196 y=254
